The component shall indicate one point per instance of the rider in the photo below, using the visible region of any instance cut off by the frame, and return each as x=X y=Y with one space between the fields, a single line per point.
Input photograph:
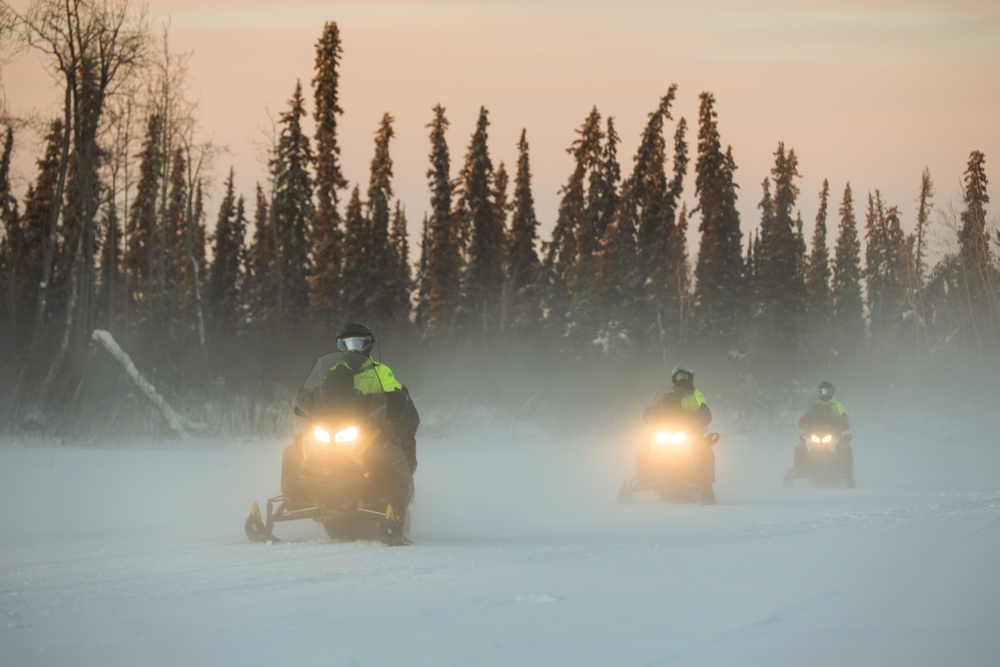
x=682 y=401
x=685 y=403
x=827 y=413
x=358 y=377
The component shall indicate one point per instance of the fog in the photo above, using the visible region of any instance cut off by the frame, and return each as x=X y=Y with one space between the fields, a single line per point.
x=133 y=552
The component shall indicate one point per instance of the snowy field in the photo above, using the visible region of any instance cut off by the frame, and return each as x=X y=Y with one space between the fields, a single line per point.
x=122 y=556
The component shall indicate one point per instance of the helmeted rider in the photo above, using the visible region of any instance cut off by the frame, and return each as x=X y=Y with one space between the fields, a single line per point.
x=683 y=401
x=357 y=377
x=686 y=404
x=827 y=414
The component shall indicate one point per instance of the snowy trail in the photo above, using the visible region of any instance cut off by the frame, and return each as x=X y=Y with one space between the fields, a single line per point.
x=136 y=556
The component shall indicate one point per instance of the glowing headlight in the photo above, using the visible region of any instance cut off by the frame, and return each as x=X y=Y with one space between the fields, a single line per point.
x=664 y=437
x=320 y=434
x=815 y=438
x=827 y=439
x=349 y=434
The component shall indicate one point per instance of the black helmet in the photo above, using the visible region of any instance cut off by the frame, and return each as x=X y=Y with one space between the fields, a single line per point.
x=825 y=391
x=682 y=376
x=356 y=338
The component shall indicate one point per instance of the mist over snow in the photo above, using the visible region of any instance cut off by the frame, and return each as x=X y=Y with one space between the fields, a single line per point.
x=133 y=553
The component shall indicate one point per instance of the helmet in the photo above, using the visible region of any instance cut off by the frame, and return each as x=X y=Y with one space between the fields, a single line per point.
x=356 y=338
x=682 y=376
x=825 y=391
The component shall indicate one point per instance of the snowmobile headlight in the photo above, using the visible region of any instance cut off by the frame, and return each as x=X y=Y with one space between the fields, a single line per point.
x=666 y=438
x=320 y=434
x=827 y=439
x=349 y=434
x=814 y=438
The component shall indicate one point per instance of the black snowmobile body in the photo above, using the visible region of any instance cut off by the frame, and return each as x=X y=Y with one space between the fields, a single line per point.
x=825 y=458
x=344 y=470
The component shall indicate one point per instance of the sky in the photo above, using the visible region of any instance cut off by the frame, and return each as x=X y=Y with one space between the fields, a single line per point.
x=866 y=92
x=133 y=553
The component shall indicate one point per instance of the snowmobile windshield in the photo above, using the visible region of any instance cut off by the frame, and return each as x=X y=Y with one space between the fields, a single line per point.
x=331 y=387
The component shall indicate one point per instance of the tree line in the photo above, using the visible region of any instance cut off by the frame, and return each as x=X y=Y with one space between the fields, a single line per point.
x=113 y=234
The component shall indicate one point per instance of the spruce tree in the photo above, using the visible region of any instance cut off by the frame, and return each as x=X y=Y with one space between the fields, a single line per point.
x=423 y=280
x=264 y=297
x=378 y=260
x=819 y=301
x=292 y=209
x=326 y=228
x=848 y=306
x=979 y=275
x=718 y=272
x=524 y=269
x=354 y=277
x=661 y=249
x=445 y=260
x=781 y=280
x=141 y=228
x=30 y=240
x=573 y=242
x=483 y=279
x=9 y=226
x=400 y=281
x=224 y=274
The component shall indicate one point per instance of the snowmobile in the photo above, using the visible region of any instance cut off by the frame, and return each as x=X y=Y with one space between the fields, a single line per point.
x=675 y=460
x=345 y=470
x=824 y=457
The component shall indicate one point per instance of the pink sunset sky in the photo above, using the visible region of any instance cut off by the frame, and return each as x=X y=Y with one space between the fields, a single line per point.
x=865 y=91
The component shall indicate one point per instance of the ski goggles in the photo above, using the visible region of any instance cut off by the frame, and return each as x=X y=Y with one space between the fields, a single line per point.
x=354 y=344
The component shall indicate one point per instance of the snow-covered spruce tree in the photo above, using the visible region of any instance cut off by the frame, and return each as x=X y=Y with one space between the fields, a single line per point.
x=524 y=289
x=719 y=269
x=326 y=227
x=482 y=282
x=848 y=305
x=292 y=209
x=444 y=264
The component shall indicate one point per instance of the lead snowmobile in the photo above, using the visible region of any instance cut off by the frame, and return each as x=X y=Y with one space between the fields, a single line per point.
x=345 y=470
x=675 y=460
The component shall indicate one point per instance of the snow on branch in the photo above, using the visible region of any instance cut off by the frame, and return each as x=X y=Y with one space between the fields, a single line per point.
x=177 y=423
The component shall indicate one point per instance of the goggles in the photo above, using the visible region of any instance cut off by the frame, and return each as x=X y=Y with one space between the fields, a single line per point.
x=354 y=344
x=681 y=376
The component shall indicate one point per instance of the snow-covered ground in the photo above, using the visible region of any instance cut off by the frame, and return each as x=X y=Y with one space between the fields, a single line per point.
x=522 y=556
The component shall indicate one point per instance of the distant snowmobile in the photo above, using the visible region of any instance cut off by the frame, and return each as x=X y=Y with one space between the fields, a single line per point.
x=344 y=470
x=823 y=456
x=675 y=460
